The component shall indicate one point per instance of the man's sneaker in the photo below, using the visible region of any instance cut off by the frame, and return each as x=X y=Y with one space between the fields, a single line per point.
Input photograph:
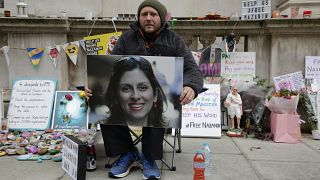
x=123 y=165
x=150 y=168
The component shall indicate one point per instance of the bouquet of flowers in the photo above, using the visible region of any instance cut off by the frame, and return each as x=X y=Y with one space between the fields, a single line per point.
x=283 y=102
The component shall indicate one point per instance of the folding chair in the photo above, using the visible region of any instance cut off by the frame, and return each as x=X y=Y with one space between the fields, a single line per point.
x=173 y=145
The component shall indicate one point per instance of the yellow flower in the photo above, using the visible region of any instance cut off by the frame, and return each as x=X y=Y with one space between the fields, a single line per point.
x=82 y=94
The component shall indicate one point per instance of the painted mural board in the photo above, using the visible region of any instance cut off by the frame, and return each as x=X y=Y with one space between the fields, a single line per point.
x=70 y=111
x=201 y=117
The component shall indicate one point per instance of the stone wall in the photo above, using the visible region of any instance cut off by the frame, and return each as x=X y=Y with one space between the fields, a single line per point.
x=280 y=45
x=111 y=8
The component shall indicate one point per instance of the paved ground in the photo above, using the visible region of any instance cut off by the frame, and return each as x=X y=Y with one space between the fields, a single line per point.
x=234 y=158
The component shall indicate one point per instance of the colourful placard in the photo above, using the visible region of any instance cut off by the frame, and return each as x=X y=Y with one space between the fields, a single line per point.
x=101 y=44
x=70 y=111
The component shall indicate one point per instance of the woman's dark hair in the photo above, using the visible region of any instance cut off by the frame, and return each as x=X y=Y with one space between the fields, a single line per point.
x=122 y=65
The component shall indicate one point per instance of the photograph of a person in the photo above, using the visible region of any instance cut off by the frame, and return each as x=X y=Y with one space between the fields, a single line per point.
x=135 y=90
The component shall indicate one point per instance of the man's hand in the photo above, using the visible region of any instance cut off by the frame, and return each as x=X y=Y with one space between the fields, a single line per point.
x=88 y=93
x=187 y=95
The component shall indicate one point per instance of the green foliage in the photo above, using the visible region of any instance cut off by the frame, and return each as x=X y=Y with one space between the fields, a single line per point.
x=306 y=110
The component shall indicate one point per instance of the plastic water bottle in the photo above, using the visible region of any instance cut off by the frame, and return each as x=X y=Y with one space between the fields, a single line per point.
x=208 y=160
x=198 y=165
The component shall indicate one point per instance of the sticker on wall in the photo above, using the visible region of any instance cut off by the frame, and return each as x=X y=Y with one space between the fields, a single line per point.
x=72 y=50
x=35 y=55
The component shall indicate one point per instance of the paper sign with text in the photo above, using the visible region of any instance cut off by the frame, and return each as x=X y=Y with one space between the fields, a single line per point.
x=74 y=156
x=293 y=81
x=238 y=66
x=256 y=9
x=201 y=117
x=312 y=67
x=101 y=44
x=31 y=104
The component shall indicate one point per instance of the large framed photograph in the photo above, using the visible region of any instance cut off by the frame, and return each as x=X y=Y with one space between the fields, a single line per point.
x=135 y=90
x=70 y=111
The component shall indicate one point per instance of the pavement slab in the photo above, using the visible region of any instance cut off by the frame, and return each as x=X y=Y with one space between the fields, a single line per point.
x=272 y=170
x=233 y=158
x=255 y=149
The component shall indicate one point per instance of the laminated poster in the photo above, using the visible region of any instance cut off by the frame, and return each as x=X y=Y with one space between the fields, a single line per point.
x=70 y=111
x=31 y=104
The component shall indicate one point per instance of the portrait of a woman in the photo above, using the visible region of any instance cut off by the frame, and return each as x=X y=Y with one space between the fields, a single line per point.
x=134 y=95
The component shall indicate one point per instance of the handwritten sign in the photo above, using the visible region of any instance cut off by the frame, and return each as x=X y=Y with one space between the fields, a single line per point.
x=31 y=104
x=101 y=44
x=238 y=66
x=202 y=116
x=74 y=157
x=256 y=9
x=293 y=81
x=312 y=67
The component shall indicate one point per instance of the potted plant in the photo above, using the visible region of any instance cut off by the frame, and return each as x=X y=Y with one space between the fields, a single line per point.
x=306 y=110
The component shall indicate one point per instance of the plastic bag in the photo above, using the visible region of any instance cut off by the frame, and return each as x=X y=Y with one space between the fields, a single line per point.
x=283 y=105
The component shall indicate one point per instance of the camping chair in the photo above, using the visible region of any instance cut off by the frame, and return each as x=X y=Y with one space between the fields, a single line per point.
x=175 y=149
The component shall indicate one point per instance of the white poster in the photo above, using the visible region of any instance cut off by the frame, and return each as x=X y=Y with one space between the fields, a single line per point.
x=256 y=9
x=293 y=81
x=201 y=118
x=31 y=104
x=238 y=66
x=312 y=67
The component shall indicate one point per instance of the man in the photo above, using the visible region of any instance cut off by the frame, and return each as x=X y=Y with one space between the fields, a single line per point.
x=149 y=36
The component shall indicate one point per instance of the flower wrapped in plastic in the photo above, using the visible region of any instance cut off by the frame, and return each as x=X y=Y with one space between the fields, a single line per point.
x=283 y=102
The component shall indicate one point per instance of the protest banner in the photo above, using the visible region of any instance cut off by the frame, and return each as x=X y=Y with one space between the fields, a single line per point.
x=201 y=117
x=238 y=66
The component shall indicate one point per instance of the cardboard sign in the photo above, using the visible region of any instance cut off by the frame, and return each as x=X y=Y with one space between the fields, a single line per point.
x=74 y=157
x=312 y=67
x=201 y=118
x=31 y=104
x=101 y=44
x=293 y=81
x=256 y=9
x=238 y=66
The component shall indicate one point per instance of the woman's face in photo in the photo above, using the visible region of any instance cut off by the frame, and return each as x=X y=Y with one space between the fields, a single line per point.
x=136 y=95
